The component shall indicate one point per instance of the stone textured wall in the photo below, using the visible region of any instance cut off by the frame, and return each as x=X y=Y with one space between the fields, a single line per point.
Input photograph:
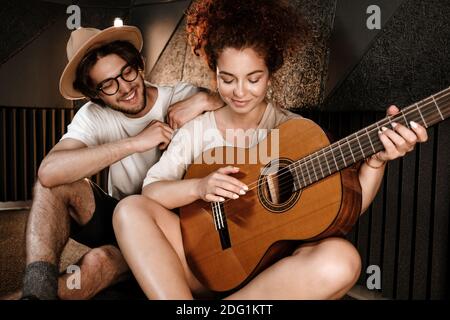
x=299 y=84
x=408 y=61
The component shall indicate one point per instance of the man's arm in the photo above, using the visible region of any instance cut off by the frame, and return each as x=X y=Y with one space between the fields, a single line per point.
x=71 y=160
x=183 y=111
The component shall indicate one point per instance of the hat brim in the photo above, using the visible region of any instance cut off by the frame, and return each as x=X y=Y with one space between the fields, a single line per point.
x=124 y=33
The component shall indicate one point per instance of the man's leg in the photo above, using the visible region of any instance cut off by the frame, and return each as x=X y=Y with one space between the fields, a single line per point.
x=99 y=268
x=48 y=230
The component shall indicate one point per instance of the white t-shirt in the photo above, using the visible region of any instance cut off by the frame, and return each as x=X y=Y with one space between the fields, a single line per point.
x=95 y=125
x=201 y=134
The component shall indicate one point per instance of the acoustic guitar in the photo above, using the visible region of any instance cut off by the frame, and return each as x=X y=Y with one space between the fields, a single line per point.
x=308 y=191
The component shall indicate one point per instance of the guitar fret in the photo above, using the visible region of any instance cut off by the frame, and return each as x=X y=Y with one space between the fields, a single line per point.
x=390 y=121
x=296 y=174
x=307 y=171
x=362 y=151
x=378 y=127
x=343 y=158
x=424 y=122
x=437 y=107
x=303 y=176
x=404 y=118
x=326 y=160
x=312 y=164
x=351 y=151
x=334 y=158
x=320 y=166
x=370 y=140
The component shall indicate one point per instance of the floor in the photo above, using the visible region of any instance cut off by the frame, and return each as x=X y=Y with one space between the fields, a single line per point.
x=12 y=262
x=12 y=258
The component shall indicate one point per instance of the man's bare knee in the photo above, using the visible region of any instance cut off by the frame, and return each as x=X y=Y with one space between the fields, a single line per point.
x=77 y=197
x=64 y=191
x=100 y=268
x=105 y=255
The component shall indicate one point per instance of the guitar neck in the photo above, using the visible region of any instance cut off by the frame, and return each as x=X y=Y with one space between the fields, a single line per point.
x=366 y=142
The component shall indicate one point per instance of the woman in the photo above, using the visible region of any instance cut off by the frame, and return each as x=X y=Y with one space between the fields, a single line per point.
x=244 y=43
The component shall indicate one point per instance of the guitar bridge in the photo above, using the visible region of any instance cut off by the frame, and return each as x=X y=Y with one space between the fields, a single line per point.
x=220 y=222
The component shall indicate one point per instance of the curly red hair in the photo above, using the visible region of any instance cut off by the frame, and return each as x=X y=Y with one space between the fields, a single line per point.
x=267 y=26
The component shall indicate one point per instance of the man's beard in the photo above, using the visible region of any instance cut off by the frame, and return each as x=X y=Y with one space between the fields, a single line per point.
x=136 y=110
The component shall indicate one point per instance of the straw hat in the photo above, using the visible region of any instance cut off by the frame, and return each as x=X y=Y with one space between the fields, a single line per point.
x=81 y=41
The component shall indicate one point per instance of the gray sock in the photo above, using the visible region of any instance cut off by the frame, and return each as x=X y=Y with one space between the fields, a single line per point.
x=41 y=281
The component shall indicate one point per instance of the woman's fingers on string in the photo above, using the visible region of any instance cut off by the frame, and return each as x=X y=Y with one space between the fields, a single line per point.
x=225 y=171
x=233 y=190
x=213 y=198
x=408 y=136
x=420 y=131
x=390 y=150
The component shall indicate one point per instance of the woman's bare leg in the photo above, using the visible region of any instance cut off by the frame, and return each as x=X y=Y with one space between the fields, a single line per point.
x=326 y=269
x=149 y=237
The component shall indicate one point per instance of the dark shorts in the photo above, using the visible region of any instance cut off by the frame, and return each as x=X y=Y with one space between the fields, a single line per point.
x=99 y=230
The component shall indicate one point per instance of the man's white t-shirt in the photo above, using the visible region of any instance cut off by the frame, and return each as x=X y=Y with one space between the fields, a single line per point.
x=96 y=125
x=201 y=134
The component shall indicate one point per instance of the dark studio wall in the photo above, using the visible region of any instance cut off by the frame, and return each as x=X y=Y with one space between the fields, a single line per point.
x=406 y=61
x=33 y=47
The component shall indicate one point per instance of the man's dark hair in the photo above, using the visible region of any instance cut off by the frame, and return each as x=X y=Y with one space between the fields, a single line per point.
x=83 y=81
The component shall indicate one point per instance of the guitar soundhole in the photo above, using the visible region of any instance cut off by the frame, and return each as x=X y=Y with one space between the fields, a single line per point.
x=276 y=187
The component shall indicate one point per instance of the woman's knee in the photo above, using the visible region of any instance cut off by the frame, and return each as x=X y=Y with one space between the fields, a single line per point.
x=132 y=208
x=127 y=209
x=339 y=262
x=335 y=262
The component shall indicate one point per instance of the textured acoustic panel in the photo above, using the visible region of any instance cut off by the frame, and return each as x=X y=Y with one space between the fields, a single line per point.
x=298 y=84
x=409 y=60
x=351 y=37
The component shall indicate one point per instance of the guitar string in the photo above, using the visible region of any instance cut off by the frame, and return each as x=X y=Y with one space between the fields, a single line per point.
x=362 y=132
x=231 y=213
x=364 y=142
x=365 y=131
x=283 y=181
x=339 y=157
x=322 y=160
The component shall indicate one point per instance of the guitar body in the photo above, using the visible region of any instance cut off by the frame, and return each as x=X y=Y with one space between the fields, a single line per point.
x=262 y=228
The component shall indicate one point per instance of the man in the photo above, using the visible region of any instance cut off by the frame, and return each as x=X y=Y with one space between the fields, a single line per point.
x=121 y=127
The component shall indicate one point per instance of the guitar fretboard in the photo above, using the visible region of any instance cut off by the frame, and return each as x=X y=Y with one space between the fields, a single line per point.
x=366 y=142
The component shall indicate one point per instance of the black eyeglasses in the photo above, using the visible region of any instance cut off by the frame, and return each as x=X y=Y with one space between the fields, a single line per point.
x=110 y=86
